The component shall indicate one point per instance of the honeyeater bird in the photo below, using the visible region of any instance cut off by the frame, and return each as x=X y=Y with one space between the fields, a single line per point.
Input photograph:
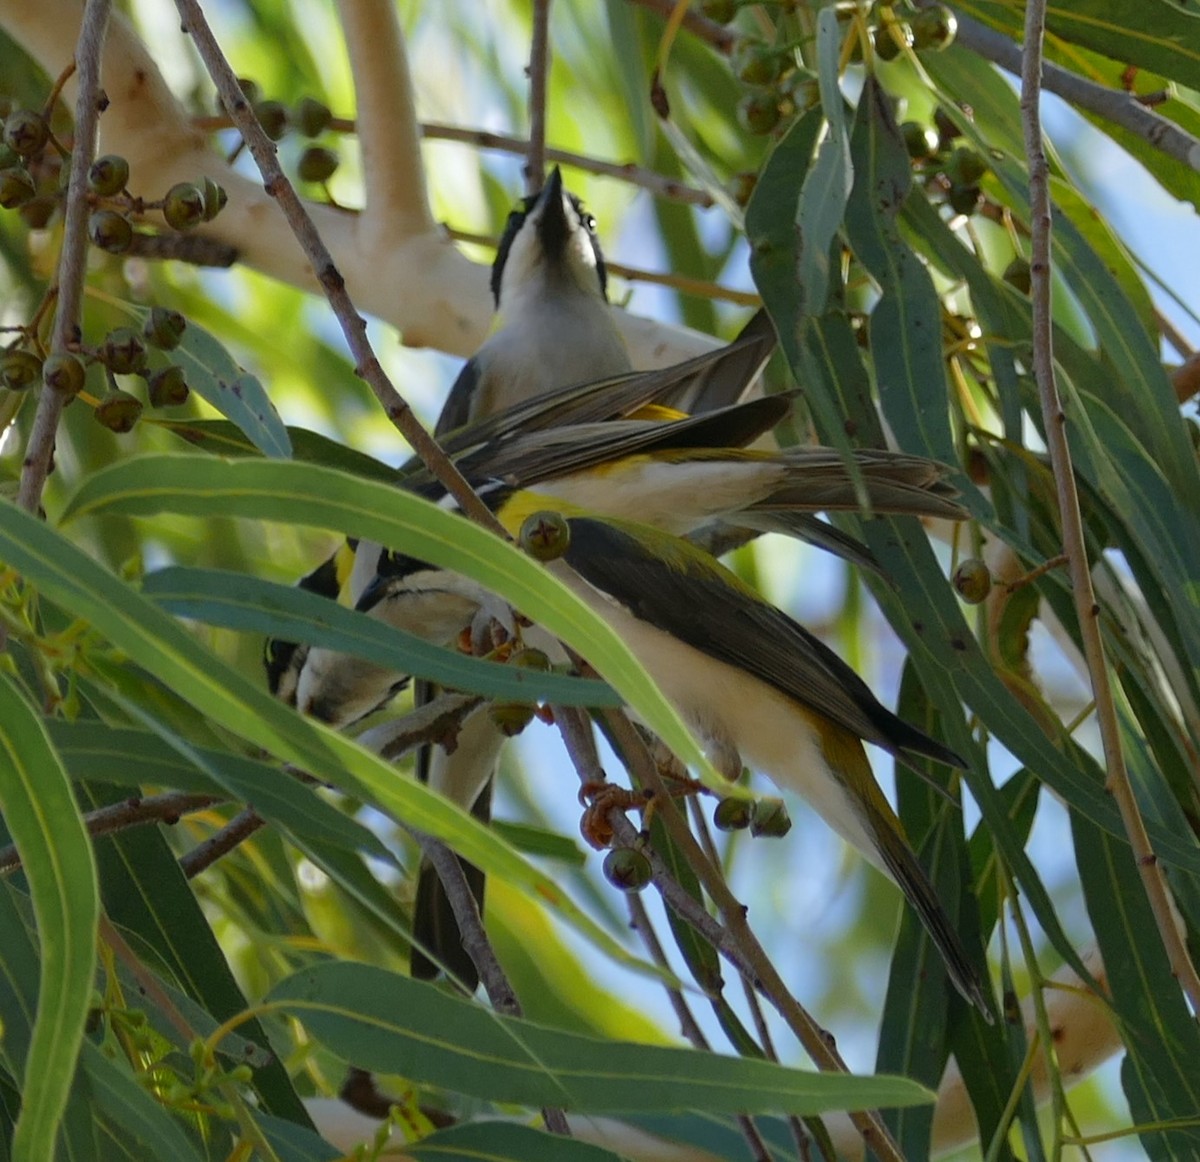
x=553 y=325
x=754 y=685
x=553 y=328
x=757 y=687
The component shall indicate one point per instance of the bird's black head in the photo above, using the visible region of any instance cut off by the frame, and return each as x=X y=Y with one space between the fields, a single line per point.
x=556 y=216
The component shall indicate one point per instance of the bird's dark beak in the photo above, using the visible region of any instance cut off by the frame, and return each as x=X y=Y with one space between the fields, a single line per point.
x=552 y=226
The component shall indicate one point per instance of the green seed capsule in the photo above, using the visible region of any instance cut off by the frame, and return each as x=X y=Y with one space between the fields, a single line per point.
x=118 y=411
x=755 y=62
x=164 y=328
x=26 y=132
x=108 y=175
x=20 y=370
x=758 y=113
x=545 y=535
x=123 y=352
x=627 y=869
x=184 y=206
x=972 y=580
x=272 y=116
x=167 y=388
x=214 y=199
x=769 y=817
x=110 y=231
x=317 y=164
x=64 y=373
x=933 y=28
x=965 y=165
x=17 y=187
x=888 y=39
x=920 y=140
x=964 y=199
x=311 y=116
x=732 y=814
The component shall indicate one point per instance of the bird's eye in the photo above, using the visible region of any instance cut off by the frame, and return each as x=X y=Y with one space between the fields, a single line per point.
x=589 y=222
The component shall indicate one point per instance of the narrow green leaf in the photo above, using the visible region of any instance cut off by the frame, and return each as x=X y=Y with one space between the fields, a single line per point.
x=906 y=325
x=504 y=1142
x=324 y=498
x=155 y=641
x=128 y=757
x=222 y=438
x=144 y=892
x=19 y=970
x=1162 y=1040
x=1152 y=34
x=827 y=183
x=236 y=601
x=41 y=816
x=293 y=1143
x=394 y=1024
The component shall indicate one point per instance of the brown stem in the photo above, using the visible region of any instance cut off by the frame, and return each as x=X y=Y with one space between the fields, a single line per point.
x=72 y=263
x=353 y=325
x=539 y=73
x=132 y=812
x=658 y=184
x=817 y=1042
x=720 y=36
x=243 y=825
x=1055 y=422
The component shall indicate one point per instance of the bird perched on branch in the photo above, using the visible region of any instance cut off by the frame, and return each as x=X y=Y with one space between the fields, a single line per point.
x=758 y=688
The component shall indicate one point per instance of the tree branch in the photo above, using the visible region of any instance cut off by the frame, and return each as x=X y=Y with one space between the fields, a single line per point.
x=539 y=75
x=1113 y=105
x=719 y=36
x=72 y=260
x=132 y=812
x=447 y=307
x=658 y=184
x=1054 y=420
x=353 y=325
x=243 y=825
x=395 y=197
x=817 y=1042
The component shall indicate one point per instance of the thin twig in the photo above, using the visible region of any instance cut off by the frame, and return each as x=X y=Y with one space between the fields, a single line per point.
x=243 y=825
x=72 y=262
x=1055 y=422
x=817 y=1042
x=477 y=945
x=133 y=812
x=539 y=76
x=470 y=923
x=753 y=1002
x=435 y=722
x=639 y=920
x=577 y=738
x=658 y=184
x=1113 y=105
x=720 y=36
x=277 y=186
